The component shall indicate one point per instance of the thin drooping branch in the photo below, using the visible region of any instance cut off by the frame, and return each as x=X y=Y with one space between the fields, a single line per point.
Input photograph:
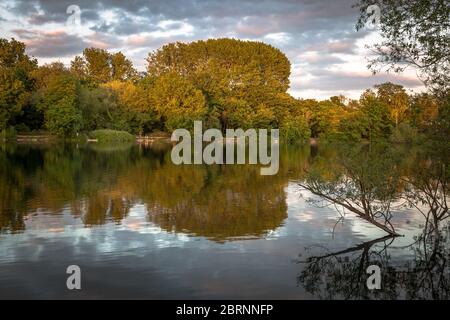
x=387 y=227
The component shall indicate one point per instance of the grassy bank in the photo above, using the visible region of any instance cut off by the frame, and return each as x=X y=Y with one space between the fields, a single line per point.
x=111 y=136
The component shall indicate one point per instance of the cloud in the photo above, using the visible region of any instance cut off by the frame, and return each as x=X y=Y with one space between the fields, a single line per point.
x=279 y=38
x=319 y=58
x=56 y=43
x=355 y=80
x=318 y=36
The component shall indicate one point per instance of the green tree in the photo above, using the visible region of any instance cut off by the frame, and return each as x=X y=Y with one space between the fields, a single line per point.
x=97 y=107
x=414 y=33
x=396 y=98
x=439 y=131
x=375 y=119
x=44 y=78
x=177 y=101
x=325 y=117
x=122 y=68
x=236 y=77
x=61 y=106
x=353 y=126
x=15 y=81
x=43 y=74
x=295 y=130
x=78 y=67
x=424 y=110
x=135 y=105
x=98 y=66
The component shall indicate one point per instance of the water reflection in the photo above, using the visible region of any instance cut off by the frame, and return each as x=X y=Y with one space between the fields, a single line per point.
x=342 y=274
x=366 y=185
x=198 y=231
x=100 y=185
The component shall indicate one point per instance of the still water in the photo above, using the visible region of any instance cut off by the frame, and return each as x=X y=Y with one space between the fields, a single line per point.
x=141 y=227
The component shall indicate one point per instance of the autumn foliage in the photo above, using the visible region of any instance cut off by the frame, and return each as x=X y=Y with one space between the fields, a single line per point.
x=226 y=83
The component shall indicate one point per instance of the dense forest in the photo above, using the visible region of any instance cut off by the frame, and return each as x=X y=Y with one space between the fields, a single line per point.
x=226 y=83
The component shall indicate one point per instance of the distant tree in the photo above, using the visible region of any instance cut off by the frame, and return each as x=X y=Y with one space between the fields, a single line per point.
x=98 y=65
x=295 y=130
x=78 y=67
x=44 y=78
x=396 y=98
x=135 y=104
x=424 y=110
x=440 y=128
x=325 y=117
x=97 y=107
x=122 y=68
x=226 y=83
x=16 y=84
x=376 y=118
x=60 y=105
x=338 y=100
x=13 y=96
x=291 y=117
x=415 y=34
x=43 y=74
x=353 y=127
x=177 y=101
x=232 y=74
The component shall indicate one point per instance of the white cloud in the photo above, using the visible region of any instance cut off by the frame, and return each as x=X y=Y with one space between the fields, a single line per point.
x=327 y=55
x=280 y=38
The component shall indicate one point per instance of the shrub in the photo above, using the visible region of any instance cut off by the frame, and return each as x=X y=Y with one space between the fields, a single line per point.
x=106 y=135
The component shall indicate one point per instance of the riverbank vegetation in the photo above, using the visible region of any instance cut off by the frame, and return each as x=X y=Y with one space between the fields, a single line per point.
x=111 y=136
x=226 y=83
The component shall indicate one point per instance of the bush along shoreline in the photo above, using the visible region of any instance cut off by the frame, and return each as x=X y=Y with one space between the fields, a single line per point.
x=111 y=136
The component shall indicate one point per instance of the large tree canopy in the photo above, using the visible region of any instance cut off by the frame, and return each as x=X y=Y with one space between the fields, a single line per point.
x=233 y=75
x=232 y=65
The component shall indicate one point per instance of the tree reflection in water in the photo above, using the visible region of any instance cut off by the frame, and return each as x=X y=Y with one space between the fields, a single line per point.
x=342 y=274
x=101 y=184
x=424 y=186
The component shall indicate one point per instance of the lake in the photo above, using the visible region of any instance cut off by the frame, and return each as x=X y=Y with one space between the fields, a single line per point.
x=139 y=226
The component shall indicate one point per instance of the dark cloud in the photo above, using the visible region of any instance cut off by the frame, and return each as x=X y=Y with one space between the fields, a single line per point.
x=289 y=15
x=126 y=24
x=52 y=44
x=313 y=33
x=317 y=20
x=45 y=11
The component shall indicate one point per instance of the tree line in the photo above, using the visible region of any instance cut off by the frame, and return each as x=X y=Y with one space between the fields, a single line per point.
x=226 y=83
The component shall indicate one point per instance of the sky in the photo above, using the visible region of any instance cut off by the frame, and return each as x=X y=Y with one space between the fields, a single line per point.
x=328 y=56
